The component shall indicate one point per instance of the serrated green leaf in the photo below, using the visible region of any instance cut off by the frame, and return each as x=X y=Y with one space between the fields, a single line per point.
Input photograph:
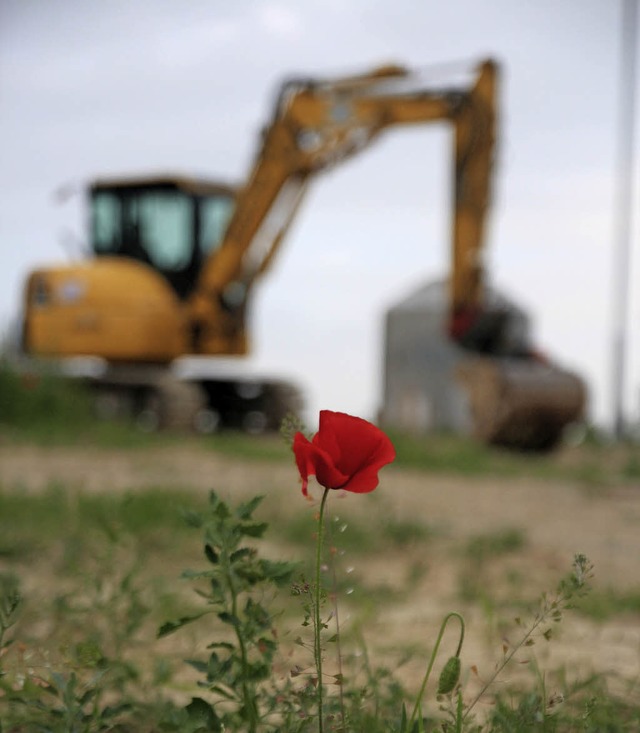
x=253 y=529
x=111 y=711
x=196 y=574
x=170 y=626
x=278 y=571
x=197 y=664
x=221 y=691
x=221 y=645
x=242 y=553
x=251 y=573
x=201 y=713
x=244 y=511
x=212 y=556
x=221 y=510
x=229 y=618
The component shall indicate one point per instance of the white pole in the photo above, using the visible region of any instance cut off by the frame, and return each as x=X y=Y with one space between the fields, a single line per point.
x=623 y=210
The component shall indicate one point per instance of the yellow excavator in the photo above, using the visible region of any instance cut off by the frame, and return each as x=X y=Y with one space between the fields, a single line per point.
x=175 y=260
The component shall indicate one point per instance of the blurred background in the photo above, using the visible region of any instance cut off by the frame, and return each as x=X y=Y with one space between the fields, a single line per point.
x=92 y=89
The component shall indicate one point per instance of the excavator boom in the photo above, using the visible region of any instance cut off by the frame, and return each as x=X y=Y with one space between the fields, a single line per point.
x=316 y=125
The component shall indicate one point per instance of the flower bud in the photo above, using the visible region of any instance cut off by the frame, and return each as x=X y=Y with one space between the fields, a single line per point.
x=449 y=676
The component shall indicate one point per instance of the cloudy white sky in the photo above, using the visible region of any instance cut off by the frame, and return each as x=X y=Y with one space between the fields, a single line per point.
x=90 y=88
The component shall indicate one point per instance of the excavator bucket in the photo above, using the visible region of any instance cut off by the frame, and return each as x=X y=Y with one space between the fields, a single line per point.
x=521 y=403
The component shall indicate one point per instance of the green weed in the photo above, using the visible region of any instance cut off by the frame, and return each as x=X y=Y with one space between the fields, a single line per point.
x=602 y=605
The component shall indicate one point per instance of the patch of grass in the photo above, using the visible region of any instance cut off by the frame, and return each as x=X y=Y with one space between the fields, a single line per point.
x=235 y=444
x=597 y=462
x=357 y=536
x=501 y=542
x=631 y=469
x=45 y=408
x=603 y=605
x=478 y=552
x=446 y=453
x=402 y=533
x=41 y=399
x=28 y=522
x=585 y=705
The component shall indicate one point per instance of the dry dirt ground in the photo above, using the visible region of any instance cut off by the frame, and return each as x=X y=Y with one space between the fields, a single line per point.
x=557 y=519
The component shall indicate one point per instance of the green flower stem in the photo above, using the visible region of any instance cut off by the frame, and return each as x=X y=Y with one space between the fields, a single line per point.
x=317 y=650
x=432 y=660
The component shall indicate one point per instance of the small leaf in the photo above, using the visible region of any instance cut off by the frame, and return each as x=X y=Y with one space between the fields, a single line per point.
x=211 y=555
x=242 y=553
x=221 y=510
x=197 y=664
x=229 y=618
x=202 y=714
x=196 y=574
x=244 y=511
x=278 y=572
x=221 y=645
x=111 y=711
x=253 y=529
x=170 y=626
x=403 y=720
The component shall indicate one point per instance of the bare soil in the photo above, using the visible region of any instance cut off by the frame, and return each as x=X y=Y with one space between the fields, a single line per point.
x=557 y=519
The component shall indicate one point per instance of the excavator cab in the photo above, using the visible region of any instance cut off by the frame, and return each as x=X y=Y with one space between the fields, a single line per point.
x=171 y=224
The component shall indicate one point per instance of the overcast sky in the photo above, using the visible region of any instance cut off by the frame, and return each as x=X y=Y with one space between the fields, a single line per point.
x=97 y=87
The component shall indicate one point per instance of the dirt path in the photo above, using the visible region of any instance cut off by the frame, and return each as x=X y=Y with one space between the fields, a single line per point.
x=557 y=518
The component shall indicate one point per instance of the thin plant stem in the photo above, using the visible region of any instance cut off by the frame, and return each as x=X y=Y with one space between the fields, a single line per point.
x=432 y=660
x=537 y=621
x=336 y=615
x=317 y=621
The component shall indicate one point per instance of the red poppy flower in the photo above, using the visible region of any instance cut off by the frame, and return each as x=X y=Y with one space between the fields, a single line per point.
x=346 y=453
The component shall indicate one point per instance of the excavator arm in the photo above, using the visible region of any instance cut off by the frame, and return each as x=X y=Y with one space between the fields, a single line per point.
x=317 y=124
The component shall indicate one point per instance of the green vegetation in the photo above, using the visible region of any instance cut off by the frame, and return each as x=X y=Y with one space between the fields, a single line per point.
x=602 y=605
x=100 y=643
x=41 y=401
x=88 y=579
x=479 y=559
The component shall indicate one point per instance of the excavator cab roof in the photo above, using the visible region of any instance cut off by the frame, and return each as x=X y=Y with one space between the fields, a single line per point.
x=187 y=184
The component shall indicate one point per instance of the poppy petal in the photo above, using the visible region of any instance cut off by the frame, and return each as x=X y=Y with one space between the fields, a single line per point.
x=363 y=481
x=359 y=443
x=312 y=460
